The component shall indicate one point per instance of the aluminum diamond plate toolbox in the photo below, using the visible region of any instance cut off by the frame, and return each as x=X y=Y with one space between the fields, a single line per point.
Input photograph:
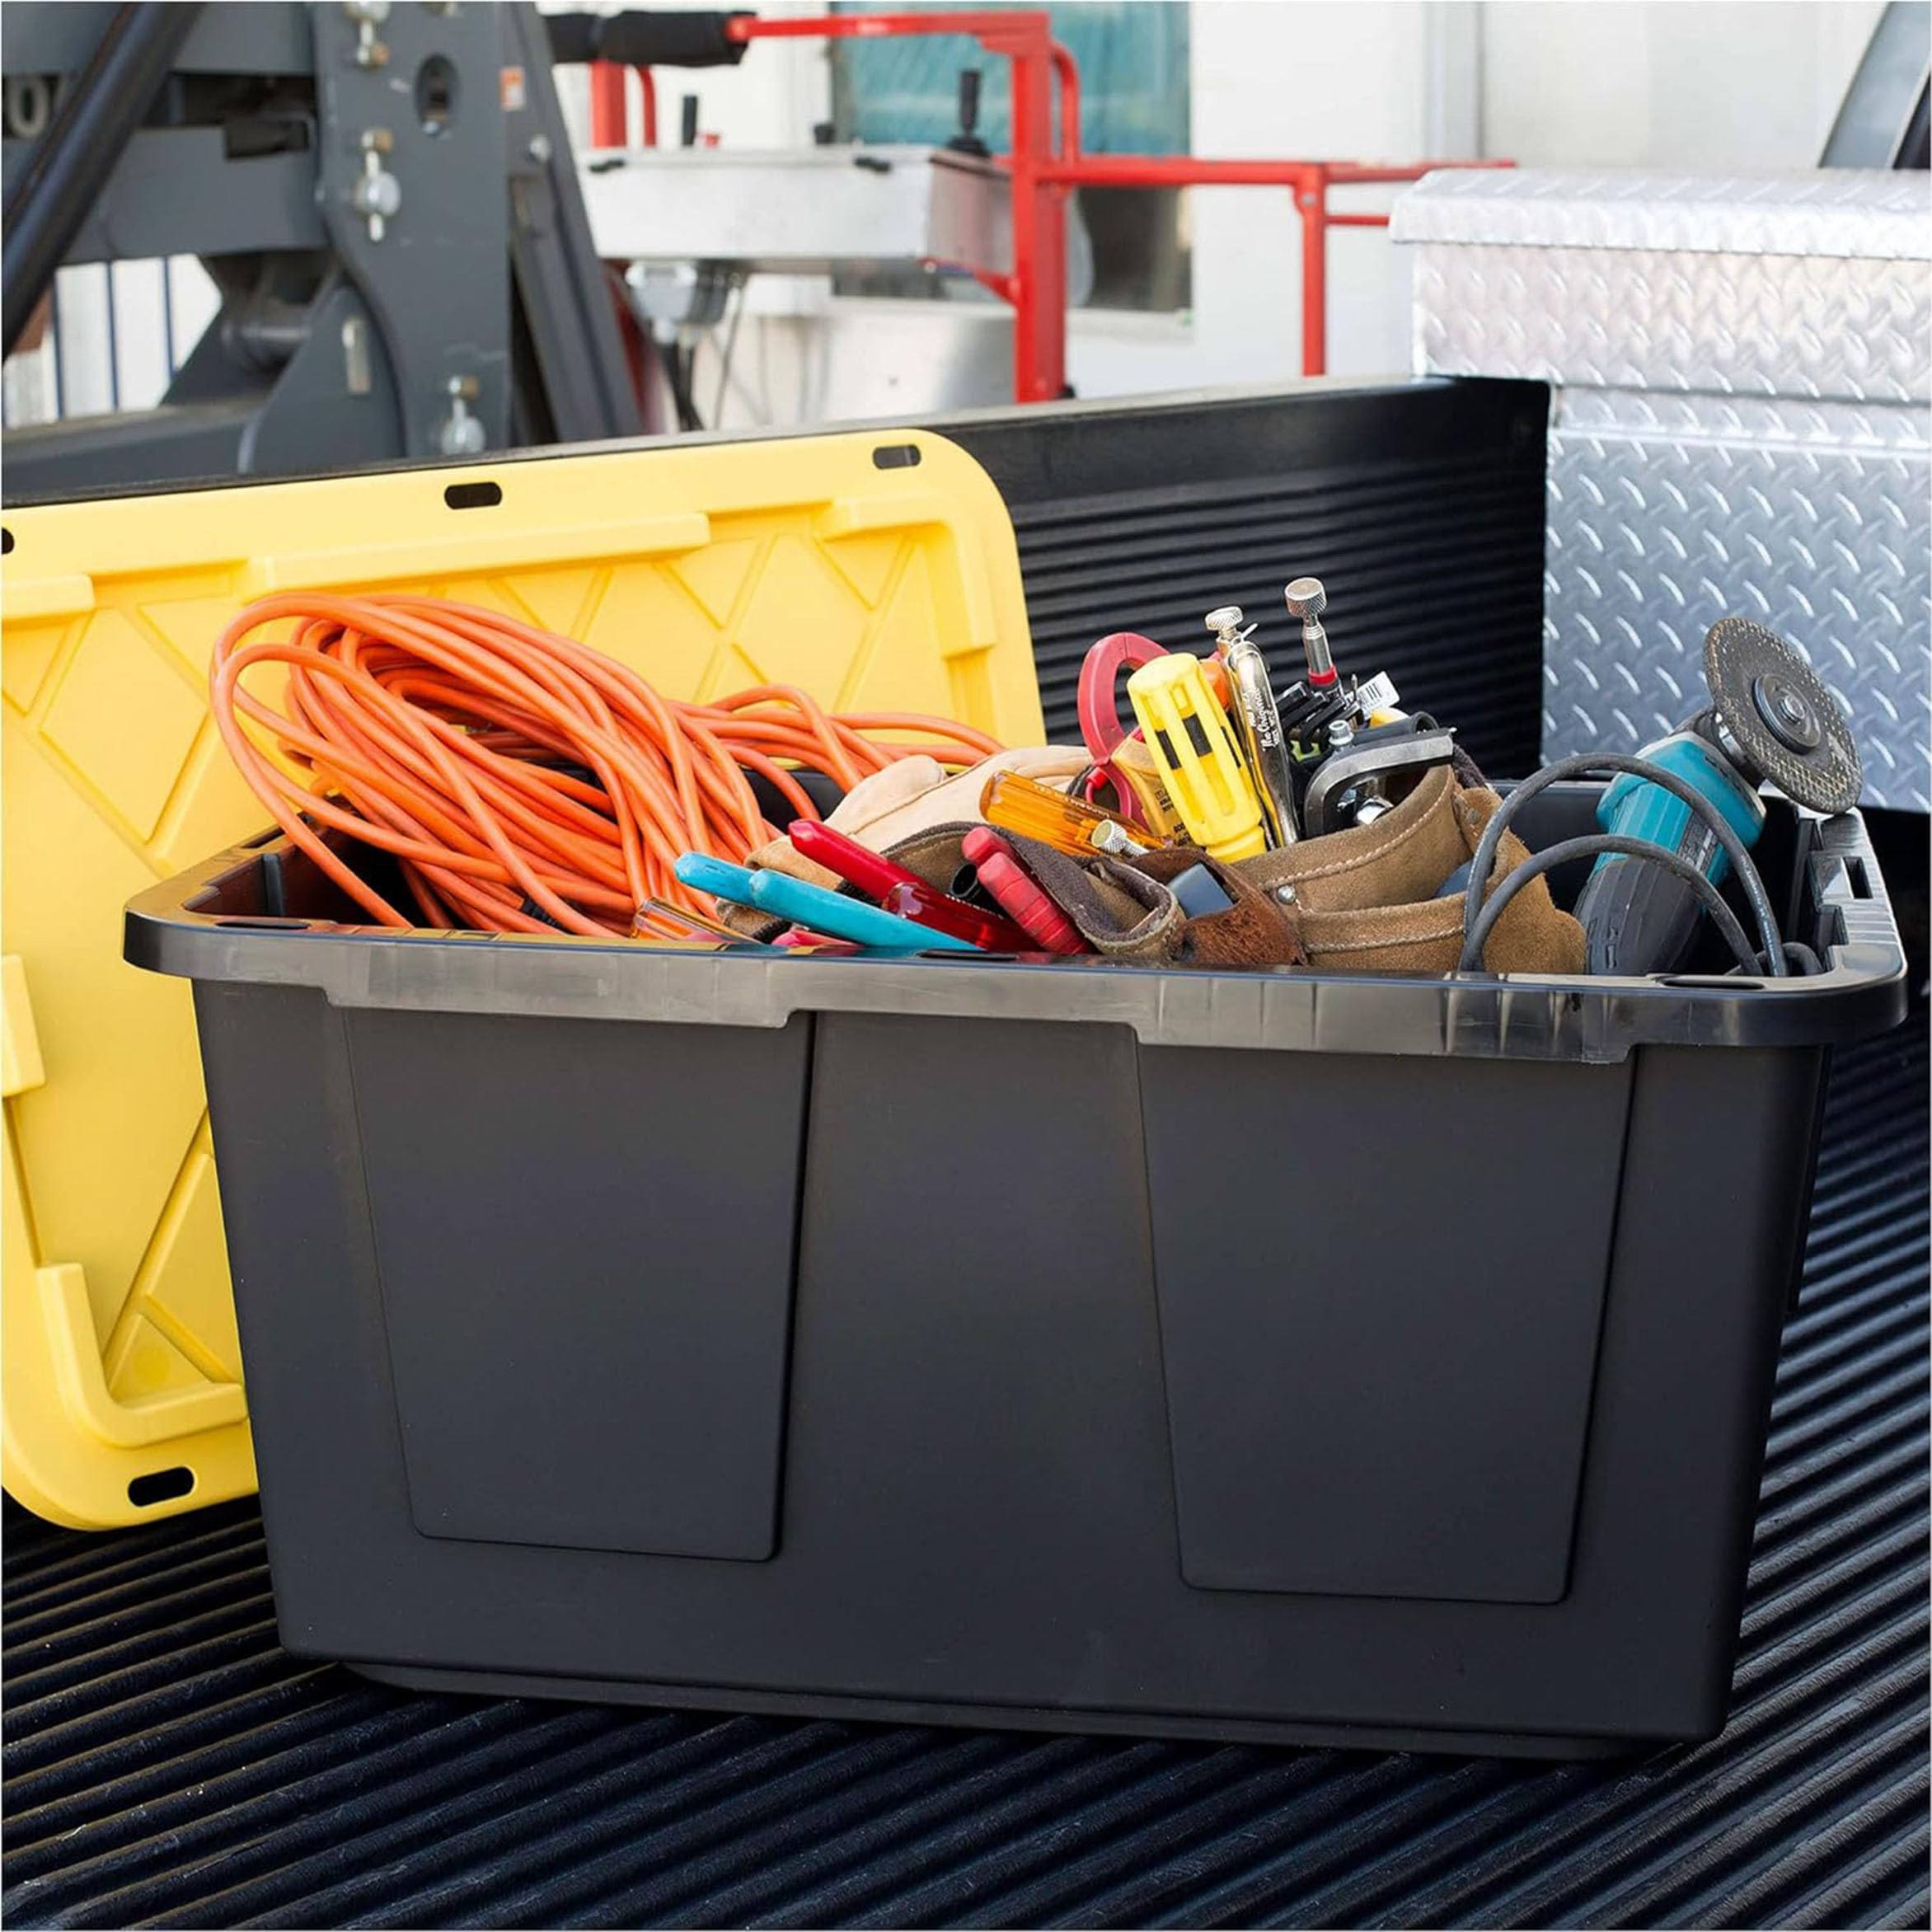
x=1742 y=370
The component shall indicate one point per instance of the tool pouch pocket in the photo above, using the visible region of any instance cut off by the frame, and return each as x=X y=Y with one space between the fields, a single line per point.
x=1123 y=909
x=1118 y=911
x=1366 y=896
x=1254 y=932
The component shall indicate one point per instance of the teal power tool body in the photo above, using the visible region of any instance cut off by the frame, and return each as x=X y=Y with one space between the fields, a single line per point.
x=1770 y=719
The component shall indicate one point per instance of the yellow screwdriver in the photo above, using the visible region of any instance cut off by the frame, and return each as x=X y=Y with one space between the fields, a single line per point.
x=1195 y=748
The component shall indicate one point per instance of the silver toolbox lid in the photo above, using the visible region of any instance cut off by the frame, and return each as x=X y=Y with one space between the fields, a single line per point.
x=1817 y=287
x=1846 y=212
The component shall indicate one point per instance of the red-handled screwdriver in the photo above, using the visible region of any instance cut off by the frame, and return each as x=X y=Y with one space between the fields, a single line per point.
x=928 y=906
x=902 y=891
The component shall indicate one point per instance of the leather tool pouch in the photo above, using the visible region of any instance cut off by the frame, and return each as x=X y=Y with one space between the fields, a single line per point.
x=1365 y=895
x=1120 y=912
x=1254 y=932
x=1122 y=907
x=905 y=807
x=1363 y=899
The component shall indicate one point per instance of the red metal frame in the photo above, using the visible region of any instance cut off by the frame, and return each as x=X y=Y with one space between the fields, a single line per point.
x=1309 y=180
x=1044 y=169
x=610 y=113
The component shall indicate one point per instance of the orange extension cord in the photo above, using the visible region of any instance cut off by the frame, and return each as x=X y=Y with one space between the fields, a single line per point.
x=454 y=738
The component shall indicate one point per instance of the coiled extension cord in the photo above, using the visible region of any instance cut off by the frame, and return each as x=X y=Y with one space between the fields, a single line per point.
x=525 y=782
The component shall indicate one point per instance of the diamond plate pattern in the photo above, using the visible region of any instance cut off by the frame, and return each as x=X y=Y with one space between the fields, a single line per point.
x=1754 y=324
x=1840 y=212
x=1667 y=514
x=1742 y=369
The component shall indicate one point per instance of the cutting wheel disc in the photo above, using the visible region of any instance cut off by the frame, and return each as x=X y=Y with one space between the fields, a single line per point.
x=1779 y=714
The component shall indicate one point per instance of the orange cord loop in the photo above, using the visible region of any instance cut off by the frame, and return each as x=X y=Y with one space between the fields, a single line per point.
x=524 y=783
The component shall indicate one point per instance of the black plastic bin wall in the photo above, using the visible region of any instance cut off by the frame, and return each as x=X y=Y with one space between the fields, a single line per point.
x=1279 y=1355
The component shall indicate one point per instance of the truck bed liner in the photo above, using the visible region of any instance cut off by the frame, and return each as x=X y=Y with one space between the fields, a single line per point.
x=165 y=1763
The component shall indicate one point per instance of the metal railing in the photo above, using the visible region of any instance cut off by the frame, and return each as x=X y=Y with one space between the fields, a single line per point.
x=1044 y=167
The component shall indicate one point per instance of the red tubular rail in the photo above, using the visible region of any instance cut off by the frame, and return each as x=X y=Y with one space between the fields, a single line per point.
x=1309 y=180
x=1046 y=165
x=610 y=114
x=1037 y=287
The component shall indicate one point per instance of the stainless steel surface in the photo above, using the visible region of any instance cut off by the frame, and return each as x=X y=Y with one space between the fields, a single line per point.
x=1352 y=786
x=800 y=211
x=1729 y=323
x=1740 y=424
x=871 y=357
x=1116 y=840
x=1666 y=513
x=1257 y=724
x=1845 y=212
x=1306 y=600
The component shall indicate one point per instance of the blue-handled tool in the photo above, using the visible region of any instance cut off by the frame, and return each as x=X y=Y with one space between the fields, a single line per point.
x=1770 y=719
x=785 y=898
x=829 y=912
x=719 y=877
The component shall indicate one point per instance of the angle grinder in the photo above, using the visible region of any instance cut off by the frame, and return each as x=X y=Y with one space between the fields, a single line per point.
x=1770 y=719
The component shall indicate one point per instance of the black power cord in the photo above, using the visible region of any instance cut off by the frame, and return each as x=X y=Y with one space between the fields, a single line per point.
x=1478 y=920
x=1591 y=846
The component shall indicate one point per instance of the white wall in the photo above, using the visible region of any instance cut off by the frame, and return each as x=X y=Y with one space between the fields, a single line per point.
x=1696 y=85
x=1692 y=84
x=1281 y=79
x=1704 y=86
x=1714 y=85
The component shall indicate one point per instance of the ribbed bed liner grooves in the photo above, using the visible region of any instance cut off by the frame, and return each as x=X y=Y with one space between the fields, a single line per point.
x=1420 y=506
x=1456 y=616
x=165 y=1764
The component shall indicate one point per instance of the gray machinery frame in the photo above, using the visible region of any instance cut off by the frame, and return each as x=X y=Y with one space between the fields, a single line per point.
x=385 y=198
